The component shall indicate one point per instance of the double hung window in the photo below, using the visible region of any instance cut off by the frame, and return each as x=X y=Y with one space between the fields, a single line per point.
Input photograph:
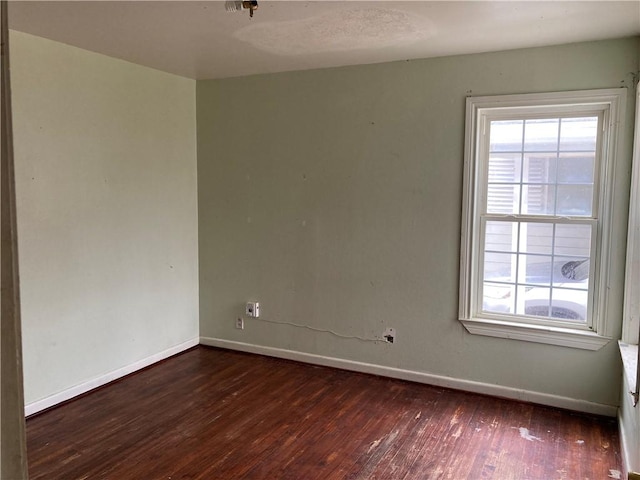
x=537 y=215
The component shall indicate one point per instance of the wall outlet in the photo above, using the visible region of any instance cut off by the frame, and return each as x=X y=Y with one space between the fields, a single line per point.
x=389 y=335
x=240 y=323
x=253 y=309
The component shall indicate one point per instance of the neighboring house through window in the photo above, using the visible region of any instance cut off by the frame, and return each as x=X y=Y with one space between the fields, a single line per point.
x=537 y=215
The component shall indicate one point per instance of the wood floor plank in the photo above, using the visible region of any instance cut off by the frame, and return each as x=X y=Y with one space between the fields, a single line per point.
x=215 y=414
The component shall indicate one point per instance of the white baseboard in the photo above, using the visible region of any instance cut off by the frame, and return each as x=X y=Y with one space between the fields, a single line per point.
x=419 y=377
x=84 y=387
x=624 y=445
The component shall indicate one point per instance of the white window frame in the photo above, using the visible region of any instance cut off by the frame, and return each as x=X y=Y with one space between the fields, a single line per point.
x=631 y=312
x=598 y=330
x=631 y=325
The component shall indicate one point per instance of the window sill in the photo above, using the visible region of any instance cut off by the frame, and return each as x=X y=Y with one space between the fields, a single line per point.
x=629 y=354
x=564 y=337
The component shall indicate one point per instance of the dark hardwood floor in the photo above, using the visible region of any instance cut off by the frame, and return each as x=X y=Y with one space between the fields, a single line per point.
x=216 y=414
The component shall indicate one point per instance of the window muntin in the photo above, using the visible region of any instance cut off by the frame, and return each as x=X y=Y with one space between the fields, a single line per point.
x=542 y=166
x=536 y=269
x=537 y=203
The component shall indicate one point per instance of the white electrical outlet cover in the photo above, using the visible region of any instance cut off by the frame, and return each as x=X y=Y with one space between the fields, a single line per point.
x=252 y=309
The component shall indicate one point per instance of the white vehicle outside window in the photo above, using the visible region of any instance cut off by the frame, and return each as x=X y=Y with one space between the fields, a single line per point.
x=536 y=219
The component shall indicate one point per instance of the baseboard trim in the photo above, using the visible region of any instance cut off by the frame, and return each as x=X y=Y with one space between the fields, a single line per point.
x=625 y=452
x=96 y=382
x=419 y=377
x=624 y=444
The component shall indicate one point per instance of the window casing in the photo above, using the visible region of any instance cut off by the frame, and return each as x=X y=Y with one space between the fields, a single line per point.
x=537 y=215
x=631 y=325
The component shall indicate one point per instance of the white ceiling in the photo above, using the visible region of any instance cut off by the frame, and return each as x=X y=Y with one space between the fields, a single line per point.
x=202 y=40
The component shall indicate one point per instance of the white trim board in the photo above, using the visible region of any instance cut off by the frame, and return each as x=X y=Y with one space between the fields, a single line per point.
x=419 y=377
x=624 y=445
x=101 y=380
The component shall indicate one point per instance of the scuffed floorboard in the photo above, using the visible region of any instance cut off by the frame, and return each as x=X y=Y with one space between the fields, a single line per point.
x=215 y=414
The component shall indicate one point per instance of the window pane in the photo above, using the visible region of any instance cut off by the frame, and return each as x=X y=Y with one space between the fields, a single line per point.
x=533 y=301
x=538 y=199
x=500 y=267
x=574 y=168
x=569 y=304
x=506 y=136
x=573 y=240
x=535 y=269
x=503 y=198
x=536 y=238
x=578 y=134
x=500 y=236
x=541 y=135
x=505 y=168
x=539 y=168
x=574 y=200
x=498 y=298
x=571 y=272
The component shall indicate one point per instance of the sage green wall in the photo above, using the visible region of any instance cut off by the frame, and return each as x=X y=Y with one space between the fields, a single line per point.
x=107 y=211
x=333 y=197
